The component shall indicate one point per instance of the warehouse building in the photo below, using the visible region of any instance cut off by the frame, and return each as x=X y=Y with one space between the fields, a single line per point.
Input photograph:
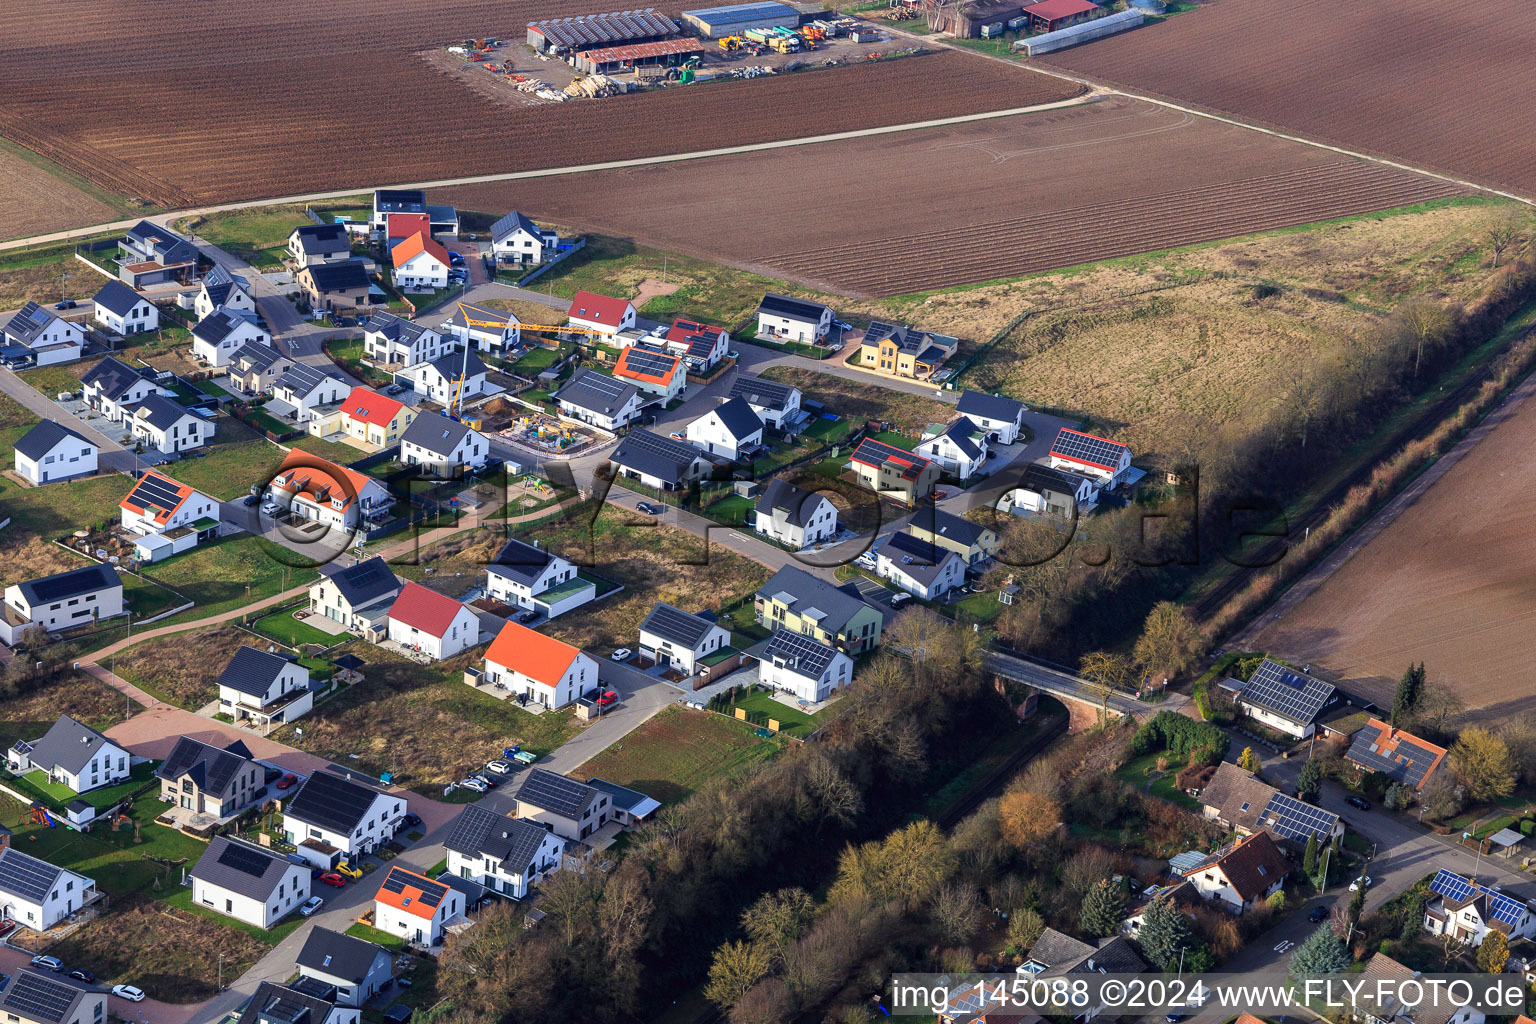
x=1054 y=15
x=734 y=19
x=613 y=59
x=966 y=20
x=595 y=31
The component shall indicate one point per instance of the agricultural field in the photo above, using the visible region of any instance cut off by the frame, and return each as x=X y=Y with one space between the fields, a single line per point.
x=1040 y=191
x=1446 y=583
x=36 y=201
x=1341 y=73
x=678 y=751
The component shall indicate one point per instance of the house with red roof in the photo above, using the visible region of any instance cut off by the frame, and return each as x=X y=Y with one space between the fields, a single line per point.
x=601 y=313
x=364 y=418
x=550 y=673
x=314 y=489
x=702 y=345
x=157 y=504
x=400 y=226
x=1101 y=460
x=893 y=472
x=416 y=908
x=1050 y=15
x=421 y=265
x=430 y=623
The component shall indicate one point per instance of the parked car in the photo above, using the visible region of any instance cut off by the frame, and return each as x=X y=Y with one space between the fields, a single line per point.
x=311 y=905
x=1318 y=913
x=270 y=509
x=474 y=785
x=411 y=820
x=897 y=600
x=867 y=560
x=678 y=435
x=48 y=963
x=647 y=508
x=331 y=878
x=66 y=304
x=250 y=501
x=609 y=697
x=622 y=654
x=81 y=974
x=1358 y=801
x=499 y=766
x=527 y=617
x=128 y=992
x=1360 y=883
x=456 y=258
x=842 y=325
x=346 y=868
x=287 y=781
x=394 y=389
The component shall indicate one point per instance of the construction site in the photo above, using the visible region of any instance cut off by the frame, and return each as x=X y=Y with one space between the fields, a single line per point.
x=537 y=431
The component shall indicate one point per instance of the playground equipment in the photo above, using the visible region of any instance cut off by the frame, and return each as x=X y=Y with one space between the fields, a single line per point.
x=120 y=821
x=40 y=816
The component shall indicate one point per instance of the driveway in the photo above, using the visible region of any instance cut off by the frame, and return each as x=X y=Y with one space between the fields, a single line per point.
x=113 y=455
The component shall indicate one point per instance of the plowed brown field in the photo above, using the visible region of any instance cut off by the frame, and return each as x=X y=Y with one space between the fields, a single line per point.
x=975 y=201
x=233 y=100
x=1437 y=85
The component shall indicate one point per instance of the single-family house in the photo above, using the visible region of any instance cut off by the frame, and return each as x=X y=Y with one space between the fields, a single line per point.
x=220 y=782
x=168 y=427
x=391 y=340
x=155 y=255
x=443 y=447
x=255 y=367
x=1182 y=894
x=220 y=334
x=157 y=504
x=920 y=567
x=535 y=666
x=659 y=462
x=959 y=447
x=1246 y=804
x=37 y=895
x=894 y=473
x=776 y=404
x=701 y=345
x=1402 y=757
x=781 y=318
x=973 y=542
x=309 y=244
x=264 y=687
x=536 y=579
x=604 y=402
x=368 y=419
x=333 y=817
x=1042 y=490
x=112 y=387
x=1242 y=874
x=1466 y=909
x=1378 y=1000
x=793 y=599
x=570 y=809
x=630 y=806
x=388 y=201
x=304 y=388
x=300 y=1003
x=506 y=855
x=420 y=264
x=48 y=338
x=518 y=241
x=313 y=488
x=1002 y=418
x=222 y=289
x=678 y=639
x=1285 y=700
x=600 y=313
x=1106 y=462
x=449 y=379
x=416 y=908
x=803 y=666
x=488 y=330
x=247 y=882
x=357 y=969
x=1058 y=955
x=62 y=601
x=400 y=226
x=36 y=996
x=652 y=370
x=731 y=429
x=335 y=286
x=123 y=310
x=50 y=452
x=358 y=595
x=900 y=351
x=73 y=755
x=793 y=516
x=430 y=623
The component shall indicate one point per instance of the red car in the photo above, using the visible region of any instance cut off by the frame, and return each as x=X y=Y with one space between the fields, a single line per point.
x=332 y=878
x=607 y=698
x=287 y=781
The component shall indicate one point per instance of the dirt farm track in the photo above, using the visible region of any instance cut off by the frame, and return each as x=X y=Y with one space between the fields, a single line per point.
x=1430 y=84
x=240 y=101
x=975 y=201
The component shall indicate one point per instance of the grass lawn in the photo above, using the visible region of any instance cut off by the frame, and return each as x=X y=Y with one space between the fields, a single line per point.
x=1135 y=774
x=733 y=510
x=332 y=451
x=258 y=235
x=857 y=401
x=368 y=933
x=675 y=753
x=120 y=865
x=349 y=354
x=60 y=509
x=285 y=629
x=792 y=721
x=231 y=470
x=982 y=607
x=51 y=380
x=226 y=574
x=57 y=796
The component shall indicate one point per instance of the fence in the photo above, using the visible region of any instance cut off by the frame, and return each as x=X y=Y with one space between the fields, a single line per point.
x=544 y=268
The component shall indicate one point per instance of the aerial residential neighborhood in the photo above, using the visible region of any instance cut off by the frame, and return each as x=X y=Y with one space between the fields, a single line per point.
x=705 y=516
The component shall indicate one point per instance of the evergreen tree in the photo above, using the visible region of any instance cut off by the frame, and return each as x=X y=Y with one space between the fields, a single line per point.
x=1309 y=858
x=1164 y=932
x=1322 y=953
x=1103 y=910
x=1410 y=689
x=1310 y=784
x=1397 y=798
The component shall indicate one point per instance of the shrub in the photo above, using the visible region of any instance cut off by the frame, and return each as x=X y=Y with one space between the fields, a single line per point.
x=1198 y=742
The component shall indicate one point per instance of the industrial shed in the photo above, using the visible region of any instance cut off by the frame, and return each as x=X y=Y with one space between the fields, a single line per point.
x=1086 y=32
x=594 y=31
x=617 y=58
x=734 y=19
x=1054 y=15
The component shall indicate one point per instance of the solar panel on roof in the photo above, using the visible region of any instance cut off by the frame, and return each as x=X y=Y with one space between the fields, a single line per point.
x=554 y=792
x=26 y=876
x=431 y=892
x=65 y=584
x=245 y=859
x=154 y=491
x=1292 y=819
x=40 y=997
x=1275 y=687
x=676 y=625
x=1071 y=444
x=654 y=364
x=808 y=655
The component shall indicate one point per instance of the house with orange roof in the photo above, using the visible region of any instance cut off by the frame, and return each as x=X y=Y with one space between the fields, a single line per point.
x=364 y=418
x=430 y=623
x=416 y=908
x=1400 y=756
x=157 y=504
x=601 y=313
x=525 y=662
x=420 y=264
x=653 y=371
x=314 y=489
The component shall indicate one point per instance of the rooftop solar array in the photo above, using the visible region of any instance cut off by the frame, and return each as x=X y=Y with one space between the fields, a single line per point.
x=1292 y=819
x=1406 y=761
x=399 y=880
x=649 y=362
x=1280 y=690
x=679 y=452
x=765 y=394
x=878 y=453
x=69 y=583
x=247 y=860
x=40 y=997
x=556 y=793
x=25 y=876
x=676 y=625
x=1080 y=447
x=802 y=653
x=595 y=391
x=1457 y=889
x=595 y=29
x=331 y=802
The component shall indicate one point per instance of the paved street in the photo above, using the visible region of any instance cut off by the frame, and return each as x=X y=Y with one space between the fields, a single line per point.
x=113 y=455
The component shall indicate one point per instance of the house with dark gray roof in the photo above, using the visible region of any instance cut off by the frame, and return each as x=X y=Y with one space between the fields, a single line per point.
x=357 y=969
x=1002 y=417
x=438 y=379
x=776 y=404
x=571 y=809
x=309 y=244
x=506 y=855
x=517 y=240
x=255 y=367
x=264 y=687
x=168 y=427
x=337 y=815
x=121 y=309
x=1286 y=700
x=358 y=596
x=672 y=637
x=920 y=567
x=62 y=601
x=793 y=516
x=781 y=318
x=731 y=429
x=295 y=1004
x=959 y=447
x=442 y=447
x=220 y=782
x=630 y=806
x=803 y=666
x=596 y=398
x=656 y=461
x=51 y=452
x=793 y=599
x=897 y=350
x=71 y=754
x=973 y=542
x=112 y=387
x=220 y=288
x=219 y=335
x=37 y=996
x=392 y=339
x=1044 y=490
x=303 y=389
x=339 y=285
x=38 y=335
x=248 y=882
x=37 y=894
x=1056 y=954
x=536 y=579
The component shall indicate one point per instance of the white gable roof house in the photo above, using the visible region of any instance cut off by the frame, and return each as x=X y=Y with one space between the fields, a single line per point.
x=1104 y=460
x=517 y=240
x=264 y=688
x=357 y=969
x=783 y=318
x=598 y=399
x=920 y=567
x=168 y=427
x=248 y=883
x=1469 y=910
x=37 y=895
x=776 y=404
x=222 y=289
x=298 y=392
x=505 y=855
x=158 y=504
x=536 y=579
x=536 y=668
x=309 y=244
x=64 y=600
x=1046 y=491
x=794 y=516
x=432 y=624
x=112 y=387
x=358 y=596
x=728 y=430
x=486 y=329
x=678 y=639
x=443 y=447
x=50 y=339
x=803 y=666
x=438 y=380
x=50 y=452
x=121 y=309
x=959 y=447
x=71 y=754
x=219 y=335
x=1003 y=417
x=390 y=339
x=336 y=814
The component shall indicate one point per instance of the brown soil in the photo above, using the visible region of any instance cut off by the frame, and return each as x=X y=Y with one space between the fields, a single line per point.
x=81 y=697
x=35 y=202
